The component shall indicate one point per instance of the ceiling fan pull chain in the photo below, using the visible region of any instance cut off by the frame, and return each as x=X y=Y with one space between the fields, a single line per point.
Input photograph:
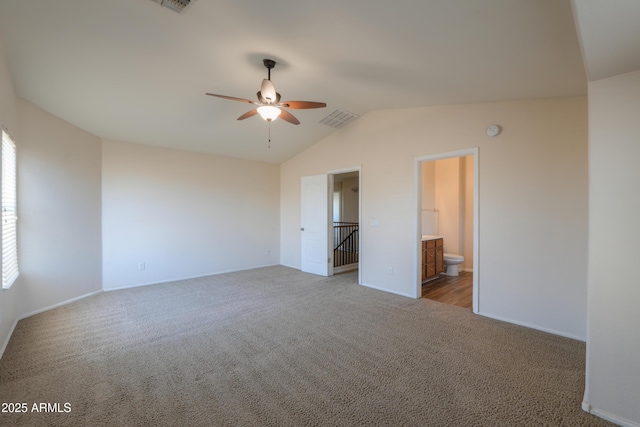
x=269 y=135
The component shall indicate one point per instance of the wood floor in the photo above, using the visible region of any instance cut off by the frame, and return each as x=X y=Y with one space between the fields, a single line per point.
x=451 y=290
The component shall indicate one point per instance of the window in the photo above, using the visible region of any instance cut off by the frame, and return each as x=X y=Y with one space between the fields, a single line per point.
x=9 y=213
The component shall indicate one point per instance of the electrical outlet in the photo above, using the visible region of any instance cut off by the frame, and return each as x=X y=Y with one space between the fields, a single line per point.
x=390 y=270
x=141 y=266
x=267 y=251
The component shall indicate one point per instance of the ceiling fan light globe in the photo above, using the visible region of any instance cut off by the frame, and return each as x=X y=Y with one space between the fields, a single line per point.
x=268 y=91
x=268 y=112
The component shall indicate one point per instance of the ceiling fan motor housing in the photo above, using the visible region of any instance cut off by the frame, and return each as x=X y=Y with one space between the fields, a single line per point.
x=264 y=100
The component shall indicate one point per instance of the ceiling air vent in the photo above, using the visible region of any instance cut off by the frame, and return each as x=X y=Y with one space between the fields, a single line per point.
x=339 y=118
x=176 y=5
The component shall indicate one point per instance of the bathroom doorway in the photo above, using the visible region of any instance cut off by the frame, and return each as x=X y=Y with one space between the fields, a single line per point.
x=447 y=205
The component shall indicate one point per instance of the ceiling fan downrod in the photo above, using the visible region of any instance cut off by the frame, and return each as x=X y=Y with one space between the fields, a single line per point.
x=269 y=63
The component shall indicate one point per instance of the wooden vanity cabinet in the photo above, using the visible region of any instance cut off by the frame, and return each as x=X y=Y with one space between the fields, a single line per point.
x=432 y=258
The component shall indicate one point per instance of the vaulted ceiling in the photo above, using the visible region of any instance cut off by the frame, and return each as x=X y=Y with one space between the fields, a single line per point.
x=135 y=71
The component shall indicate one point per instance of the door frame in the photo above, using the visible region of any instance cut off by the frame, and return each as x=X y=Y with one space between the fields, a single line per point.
x=417 y=255
x=331 y=174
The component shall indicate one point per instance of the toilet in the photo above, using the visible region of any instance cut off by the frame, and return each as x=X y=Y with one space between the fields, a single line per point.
x=451 y=262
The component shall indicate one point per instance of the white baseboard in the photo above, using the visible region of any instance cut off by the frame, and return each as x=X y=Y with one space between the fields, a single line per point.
x=345 y=268
x=290 y=266
x=529 y=325
x=607 y=416
x=38 y=311
x=69 y=301
x=377 y=288
x=388 y=290
x=6 y=341
x=60 y=304
x=177 y=279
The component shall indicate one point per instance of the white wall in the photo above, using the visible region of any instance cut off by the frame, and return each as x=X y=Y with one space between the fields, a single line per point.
x=184 y=214
x=9 y=299
x=59 y=245
x=428 y=185
x=533 y=201
x=429 y=221
x=350 y=200
x=613 y=340
x=467 y=228
x=59 y=234
x=448 y=202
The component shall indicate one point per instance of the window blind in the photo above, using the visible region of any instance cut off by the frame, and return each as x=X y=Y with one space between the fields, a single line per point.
x=9 y=213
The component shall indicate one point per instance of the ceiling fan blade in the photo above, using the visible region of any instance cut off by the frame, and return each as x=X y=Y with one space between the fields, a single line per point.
x=232 y=98
x=285 y=115
x=302 y=104
x=248 y=114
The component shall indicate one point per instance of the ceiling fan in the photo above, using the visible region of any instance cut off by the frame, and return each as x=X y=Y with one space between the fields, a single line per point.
x=268 y=105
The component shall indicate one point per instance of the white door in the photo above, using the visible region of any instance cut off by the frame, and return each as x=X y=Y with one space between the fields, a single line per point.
x=315 y=225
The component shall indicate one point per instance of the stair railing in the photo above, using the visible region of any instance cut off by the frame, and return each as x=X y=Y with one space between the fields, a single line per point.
x=345 y=239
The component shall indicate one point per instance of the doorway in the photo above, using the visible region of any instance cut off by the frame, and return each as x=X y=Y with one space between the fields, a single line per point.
x=346 y=221
x=331 y=216
x=447 y=207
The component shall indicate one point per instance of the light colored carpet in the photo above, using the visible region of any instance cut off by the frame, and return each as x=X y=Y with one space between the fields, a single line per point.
x=274 y=346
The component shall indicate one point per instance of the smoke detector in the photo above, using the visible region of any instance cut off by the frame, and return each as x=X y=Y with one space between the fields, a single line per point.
x=175 y=5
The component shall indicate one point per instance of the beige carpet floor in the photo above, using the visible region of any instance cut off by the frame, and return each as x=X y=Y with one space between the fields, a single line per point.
x=277 y=347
